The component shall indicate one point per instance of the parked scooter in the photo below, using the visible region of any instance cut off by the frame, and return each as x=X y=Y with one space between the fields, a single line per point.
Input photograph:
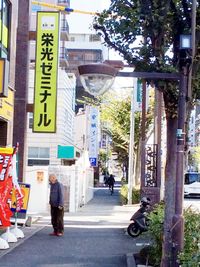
x=139 y=219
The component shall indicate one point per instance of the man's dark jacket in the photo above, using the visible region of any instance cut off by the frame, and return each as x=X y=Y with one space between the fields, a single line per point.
x=56 y=195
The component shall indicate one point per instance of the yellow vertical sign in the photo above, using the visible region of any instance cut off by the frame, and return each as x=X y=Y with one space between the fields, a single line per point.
x=2 y=63
x=45 y=96
x=4 y=70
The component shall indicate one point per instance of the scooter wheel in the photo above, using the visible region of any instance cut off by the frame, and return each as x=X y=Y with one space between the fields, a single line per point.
x=133 y=230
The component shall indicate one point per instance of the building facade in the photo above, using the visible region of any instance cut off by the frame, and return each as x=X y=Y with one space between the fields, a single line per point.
x=42 y=148
x=8 y=30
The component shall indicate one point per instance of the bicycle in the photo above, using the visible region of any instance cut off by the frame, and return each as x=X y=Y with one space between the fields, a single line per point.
x=111 y=188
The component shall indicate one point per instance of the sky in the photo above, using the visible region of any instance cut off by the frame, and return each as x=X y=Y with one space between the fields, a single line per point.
x=79 y=23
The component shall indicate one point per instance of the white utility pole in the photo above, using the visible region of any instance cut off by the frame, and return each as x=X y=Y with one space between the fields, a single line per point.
x=131 y=181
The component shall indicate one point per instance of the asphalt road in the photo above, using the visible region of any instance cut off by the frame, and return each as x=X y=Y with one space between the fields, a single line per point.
x=94 y=237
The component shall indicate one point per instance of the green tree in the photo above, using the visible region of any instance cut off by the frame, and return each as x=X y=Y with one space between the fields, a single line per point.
x=115 y=115
x=160 y=24
x=194 y=157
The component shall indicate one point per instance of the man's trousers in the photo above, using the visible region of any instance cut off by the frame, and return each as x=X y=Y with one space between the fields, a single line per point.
x=57 y=219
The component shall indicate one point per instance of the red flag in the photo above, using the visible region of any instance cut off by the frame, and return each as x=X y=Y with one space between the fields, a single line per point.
x=6 y=185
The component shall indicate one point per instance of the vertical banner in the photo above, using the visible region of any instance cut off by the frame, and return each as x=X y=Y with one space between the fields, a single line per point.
x=138 y=96
x=93 y=137
x=6 y=185
x=45 y=96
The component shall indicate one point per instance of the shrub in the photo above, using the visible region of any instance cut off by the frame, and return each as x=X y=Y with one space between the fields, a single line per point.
x=156 y=232
x=124 y=195
x=190 y=256
x=123 y=180
x=135 y=196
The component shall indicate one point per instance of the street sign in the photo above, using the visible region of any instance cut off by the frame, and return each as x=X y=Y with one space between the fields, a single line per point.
x=25 y=190
x=93 y=162
x=45 y=95
x=66 y=152
x=93 y=135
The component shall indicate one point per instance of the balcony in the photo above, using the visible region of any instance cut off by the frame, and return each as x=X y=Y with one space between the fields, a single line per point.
x=63 y=56
x=64 y=29
x=64 y=3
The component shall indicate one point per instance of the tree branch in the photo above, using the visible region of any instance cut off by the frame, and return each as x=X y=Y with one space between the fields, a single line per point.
x=127 y=55
x=128 y=4
x=186 y=13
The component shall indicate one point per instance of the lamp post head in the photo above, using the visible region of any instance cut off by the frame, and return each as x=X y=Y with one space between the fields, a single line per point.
x=97 y=78
x=185 y=41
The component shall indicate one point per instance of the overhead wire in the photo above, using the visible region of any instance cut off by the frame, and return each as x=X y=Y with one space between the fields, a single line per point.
x=63 y=8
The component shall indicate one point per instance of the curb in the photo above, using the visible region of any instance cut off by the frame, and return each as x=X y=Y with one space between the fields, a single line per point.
x=130 y=260
x=19 y=242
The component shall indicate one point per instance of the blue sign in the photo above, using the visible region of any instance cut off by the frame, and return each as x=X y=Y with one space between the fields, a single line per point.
x=93 y=162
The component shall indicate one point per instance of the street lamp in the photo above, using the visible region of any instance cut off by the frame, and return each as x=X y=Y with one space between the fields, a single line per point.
x=185 y=41
x=97 y=78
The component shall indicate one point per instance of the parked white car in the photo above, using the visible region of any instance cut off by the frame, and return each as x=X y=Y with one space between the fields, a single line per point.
x=192 y=184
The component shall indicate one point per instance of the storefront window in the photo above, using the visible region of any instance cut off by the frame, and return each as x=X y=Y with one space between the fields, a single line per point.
x=4 y=28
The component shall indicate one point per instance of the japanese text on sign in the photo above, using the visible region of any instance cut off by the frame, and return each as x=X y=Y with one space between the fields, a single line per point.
x=46 y=72
x=93 y=141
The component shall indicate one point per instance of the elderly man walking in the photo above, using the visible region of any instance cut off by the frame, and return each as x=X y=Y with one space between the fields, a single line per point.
x=56 y=202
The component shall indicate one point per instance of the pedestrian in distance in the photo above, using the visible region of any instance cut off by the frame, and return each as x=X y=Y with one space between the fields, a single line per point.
x=56 y=201
x=111 y=182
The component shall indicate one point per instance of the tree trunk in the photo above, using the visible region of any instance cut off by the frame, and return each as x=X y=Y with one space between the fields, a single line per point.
x=170 y=180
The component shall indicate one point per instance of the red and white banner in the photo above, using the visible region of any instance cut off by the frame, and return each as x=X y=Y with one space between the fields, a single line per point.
x=6 y=185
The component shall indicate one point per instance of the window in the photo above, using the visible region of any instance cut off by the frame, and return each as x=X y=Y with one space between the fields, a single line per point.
x=192 y=177
x=76 y=57
x=95 y=38
x=38 y=156
x=89 y=57
x=4 y=28
x=30 y=120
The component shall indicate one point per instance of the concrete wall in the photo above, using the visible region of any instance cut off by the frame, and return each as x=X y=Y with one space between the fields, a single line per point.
x=37 y=177
x=77 y=179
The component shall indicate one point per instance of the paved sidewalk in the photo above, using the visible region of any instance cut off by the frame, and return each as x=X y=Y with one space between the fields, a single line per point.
x=96 y=228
